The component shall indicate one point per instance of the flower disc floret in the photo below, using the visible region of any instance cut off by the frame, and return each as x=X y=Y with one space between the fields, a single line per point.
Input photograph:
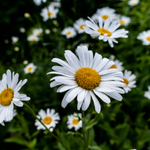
x=87 y=78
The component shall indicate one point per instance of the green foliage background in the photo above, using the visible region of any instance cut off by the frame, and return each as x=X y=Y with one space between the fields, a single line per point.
x=121 y=125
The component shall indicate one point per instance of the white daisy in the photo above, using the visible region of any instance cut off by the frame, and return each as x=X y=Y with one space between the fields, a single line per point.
x=79 y=25
x=49 y=12
x=39 y=2
x=133 y=2
x=14 y=114
x=37 y=32
x=30 y=68
x=73 y=121
x=117 y=65
x=10 y=96
x=124 y=20
x=69 y=32
x=147 y=93
x=144 y=37
x=33 y=38
x=86 y=76
x=105 y=30
x=49 y=118
x=14 y=39
x=105 y=13
x=55 y=4
x=129 y=80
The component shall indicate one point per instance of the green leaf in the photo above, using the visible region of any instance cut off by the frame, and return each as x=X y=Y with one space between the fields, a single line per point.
x=94 y=147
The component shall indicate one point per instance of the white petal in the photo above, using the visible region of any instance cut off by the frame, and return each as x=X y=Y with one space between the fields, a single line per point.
x=86 y=102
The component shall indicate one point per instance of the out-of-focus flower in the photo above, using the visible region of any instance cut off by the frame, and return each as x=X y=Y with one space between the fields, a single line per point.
x=79 y=25
x=10 y=96
x=86 y=76
x=105 y=13
x=16 y=49
x=22 y=30
x=147 y=93
x=69 y=32
x=124 y=20
x=30 y=68
x=47 y=31
x=49 y=12
x=133 y=2
x=25 y=62
x=39 y=2
x=73 y=121
x=49 y=117
x=37 y=32
x=33 y=38
x=129 y=80
x=105 y=30
x=55 y=4
x=14 y=39
x=144 y=37
x=26 y=15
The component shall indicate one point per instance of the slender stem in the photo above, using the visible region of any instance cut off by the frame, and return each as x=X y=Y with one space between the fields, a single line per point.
x=100 y=47
x=44 y=125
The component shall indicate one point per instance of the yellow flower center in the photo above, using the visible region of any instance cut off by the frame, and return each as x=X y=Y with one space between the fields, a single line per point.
x=68 y=33
x=82 y=26
x=125 y=81
x=50 y=14
x=104 y=31
x=47 y=120
x=33 y=39
x=87 y=78
x=105 y=17
x=113 y=66
x=29 y=69
x=133 y=3
x=122 y=22
x=6 y=96
x=148 y=38
x=38 y=33
x=75 y=121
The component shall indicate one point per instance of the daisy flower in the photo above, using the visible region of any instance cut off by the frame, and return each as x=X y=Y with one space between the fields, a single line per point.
x=144 y=37
x=73 y=121
x=37 y=32
x=55 y=4
x=38 y=2
x=49 y=118
x=10 y=96
x=69 y=32
x=105 y=30
x=124 y=20
x=147 y=93
x=117 y=65
x=14 y=114
x=133 y=2
x=14 y=39
x=85 y=77
x=105 y=13
x=33 y=38
x=30 y=68
x=49 y=12
x=129 y=80
x=79 y=25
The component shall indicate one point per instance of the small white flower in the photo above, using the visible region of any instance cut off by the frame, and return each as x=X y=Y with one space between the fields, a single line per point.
x=129 y=80
x=37 y=32
x=49 y=12
x=147 y=93
x=14 y=39
x=117 y=65
x=14 y=114
x=55 y=4
x=87 y=77
x=105 y=30
x=69 y=32
x=33 y=38
x=22 y=30
x=39 y=2
x=124 y=20
x=133 y=2
x=105 y=13
x=30 y=68
x=10 y=96
x=144 y=37
x=73 y=121
x=49 y=118
x=47 y=31
x=79 y=25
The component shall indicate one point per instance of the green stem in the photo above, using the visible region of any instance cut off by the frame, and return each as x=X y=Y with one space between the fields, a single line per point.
x=44 y=125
